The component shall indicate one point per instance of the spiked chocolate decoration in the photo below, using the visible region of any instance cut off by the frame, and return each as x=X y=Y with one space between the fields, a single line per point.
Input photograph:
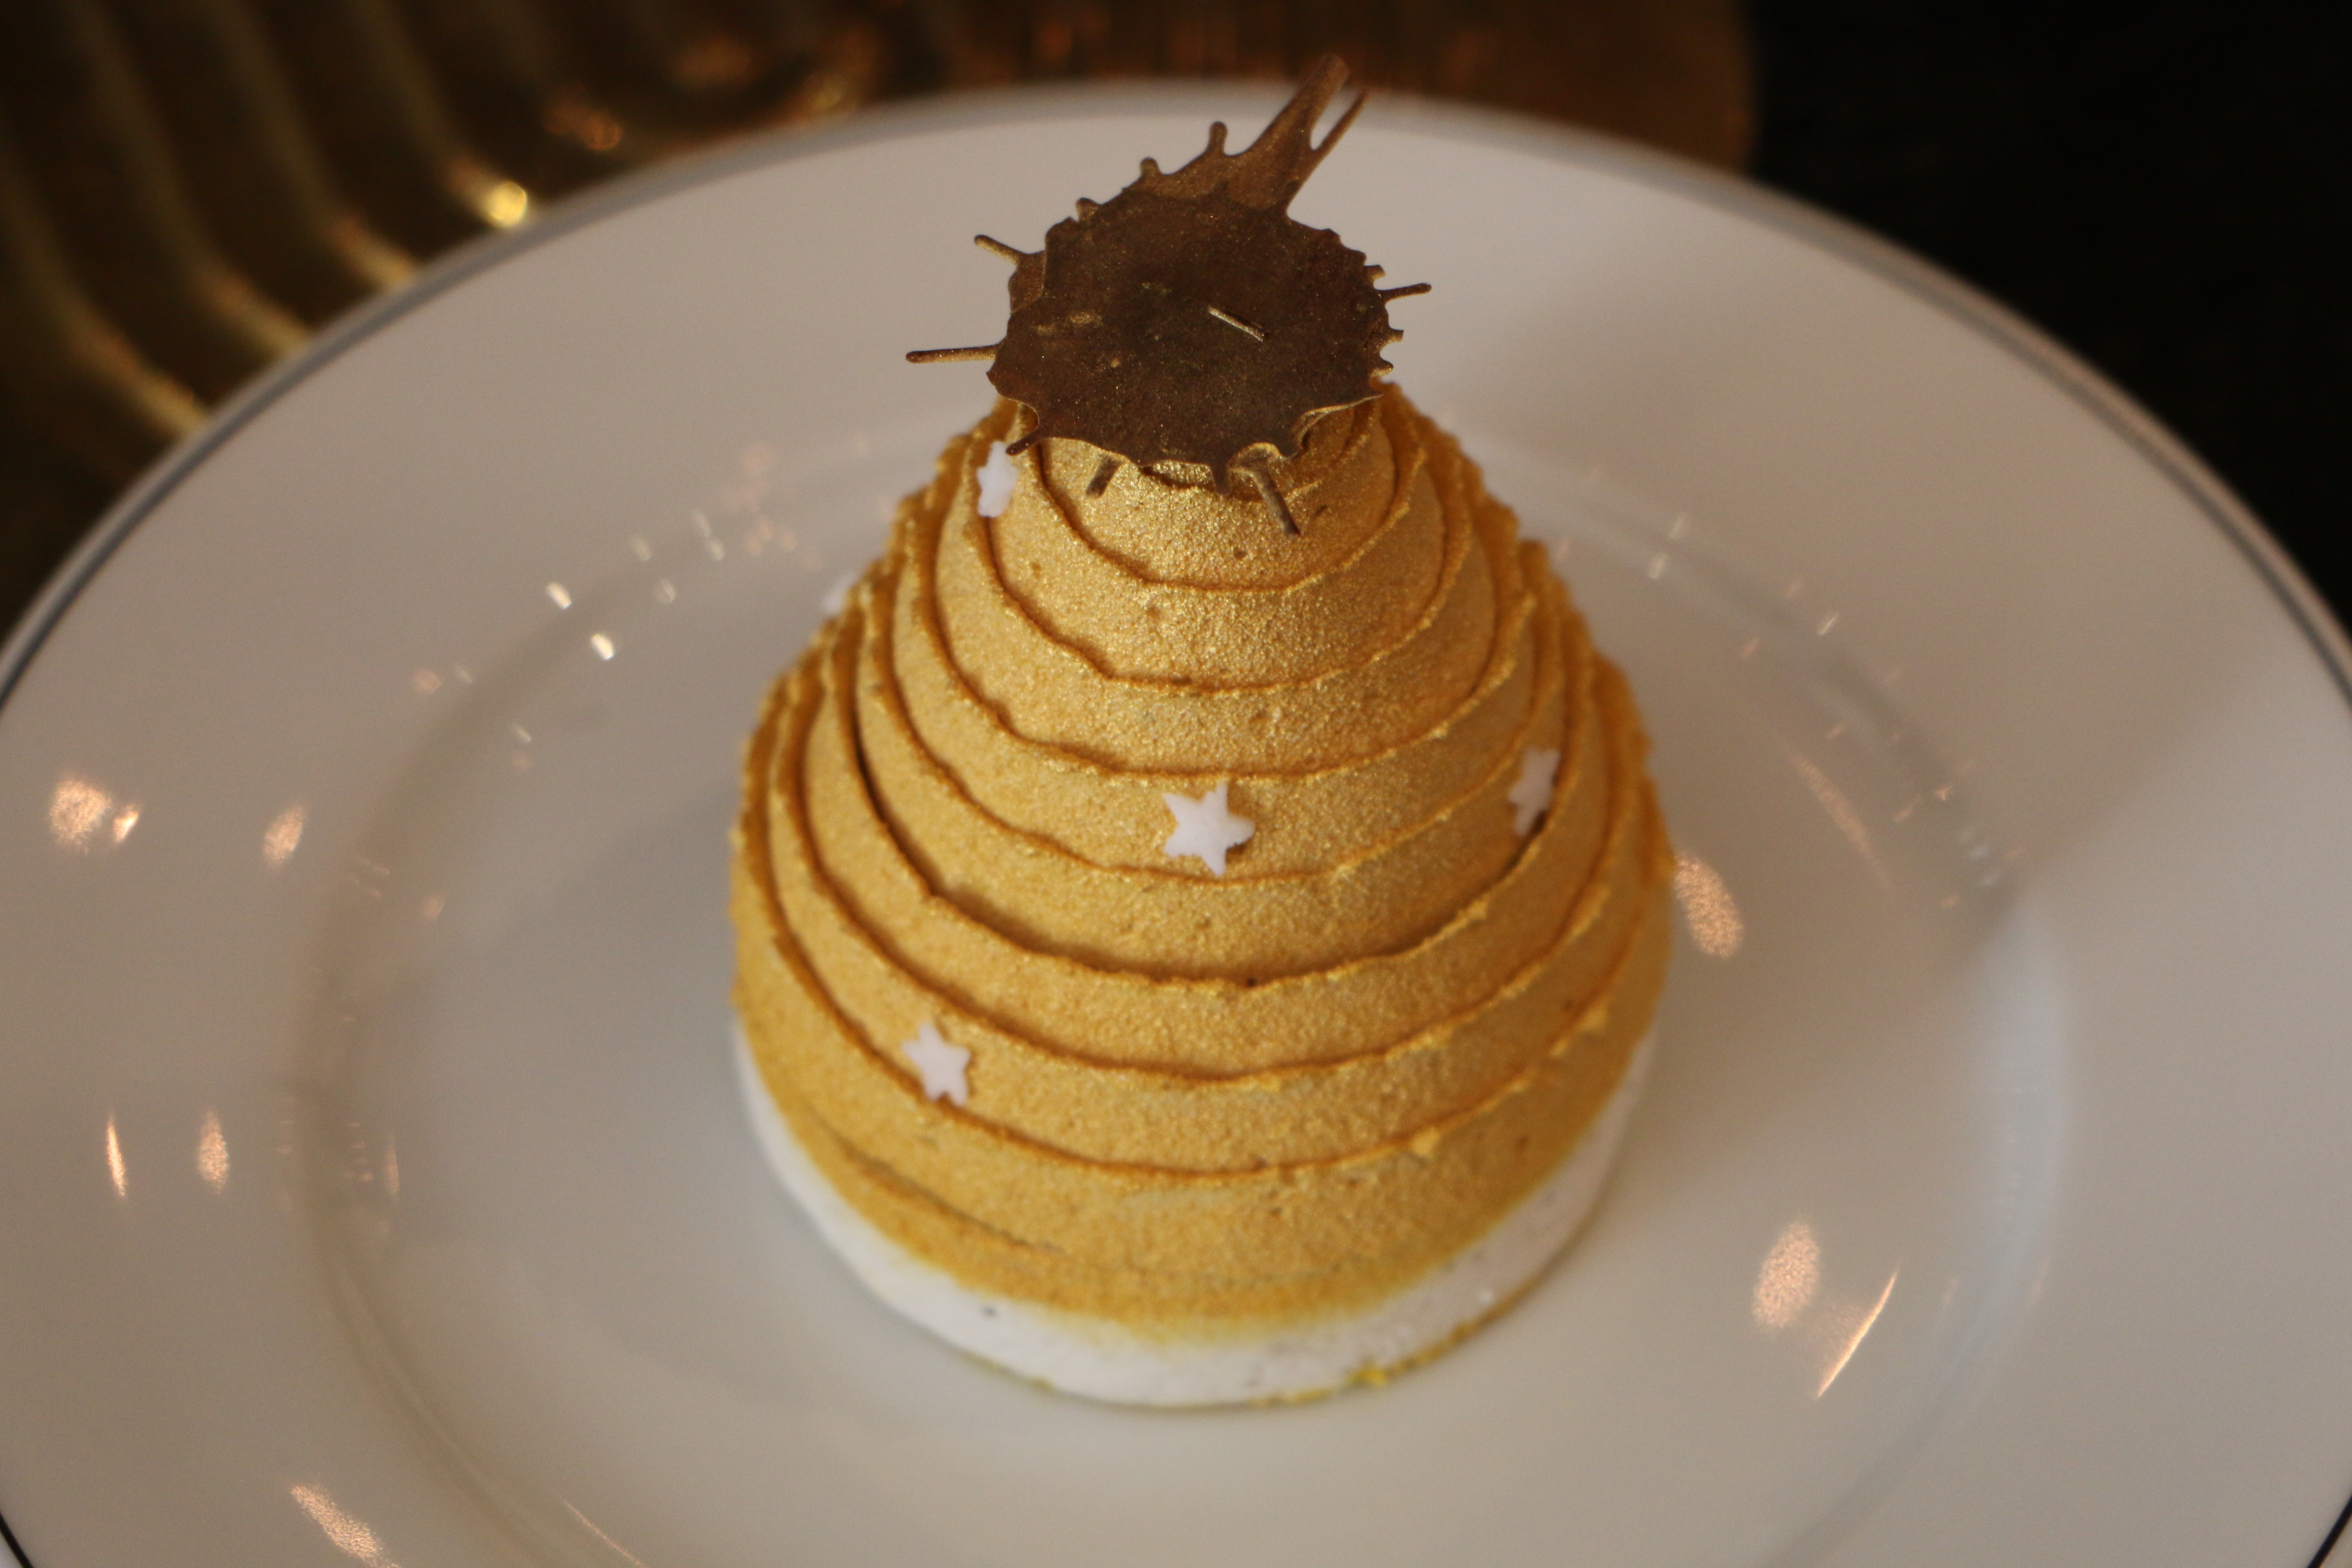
x=1190 y=319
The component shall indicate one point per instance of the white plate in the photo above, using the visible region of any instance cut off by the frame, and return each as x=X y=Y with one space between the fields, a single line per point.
x=371 y=1180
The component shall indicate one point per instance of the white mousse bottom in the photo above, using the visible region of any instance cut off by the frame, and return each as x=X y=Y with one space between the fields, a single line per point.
x=1103 y=1360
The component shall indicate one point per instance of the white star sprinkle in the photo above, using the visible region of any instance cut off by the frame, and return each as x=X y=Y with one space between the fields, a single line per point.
x=996 y=477
x=1529 y=798
x=941 y=1064
x=1205 y=830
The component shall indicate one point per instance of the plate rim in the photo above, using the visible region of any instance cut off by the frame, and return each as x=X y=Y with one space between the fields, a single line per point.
x=1478 y=125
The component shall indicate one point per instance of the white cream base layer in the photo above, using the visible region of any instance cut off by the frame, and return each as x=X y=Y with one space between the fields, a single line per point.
x=1103 y=1360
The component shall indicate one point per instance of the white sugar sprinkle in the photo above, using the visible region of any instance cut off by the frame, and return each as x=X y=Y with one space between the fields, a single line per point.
x=996 y=477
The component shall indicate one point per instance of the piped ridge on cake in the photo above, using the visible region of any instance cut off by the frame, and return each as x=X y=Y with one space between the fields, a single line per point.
x=1041 y=1054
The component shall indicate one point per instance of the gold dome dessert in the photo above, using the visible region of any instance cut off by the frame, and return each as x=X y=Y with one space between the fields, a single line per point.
x=1197 y=942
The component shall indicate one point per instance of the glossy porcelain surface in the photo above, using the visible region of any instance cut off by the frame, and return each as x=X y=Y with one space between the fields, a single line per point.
x=371 y=1183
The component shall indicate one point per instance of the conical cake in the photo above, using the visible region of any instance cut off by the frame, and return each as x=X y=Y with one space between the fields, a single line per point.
x=1193 y=947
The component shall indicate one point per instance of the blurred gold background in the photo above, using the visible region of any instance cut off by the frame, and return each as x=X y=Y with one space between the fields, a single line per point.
x=190 y=188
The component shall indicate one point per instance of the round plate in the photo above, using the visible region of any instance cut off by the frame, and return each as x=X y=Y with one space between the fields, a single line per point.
x=375 y=1184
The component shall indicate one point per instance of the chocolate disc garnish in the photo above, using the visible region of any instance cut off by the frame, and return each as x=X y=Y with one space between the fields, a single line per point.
x=1191 y=318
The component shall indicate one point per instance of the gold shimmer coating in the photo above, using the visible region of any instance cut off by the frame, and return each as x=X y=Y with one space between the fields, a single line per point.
x=1204 y=1102
x=1199 y=1105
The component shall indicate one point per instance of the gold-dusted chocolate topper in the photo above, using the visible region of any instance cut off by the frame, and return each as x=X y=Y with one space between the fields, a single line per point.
x=1191 y=319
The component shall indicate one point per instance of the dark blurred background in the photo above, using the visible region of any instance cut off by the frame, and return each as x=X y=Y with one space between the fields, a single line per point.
x=190 y=188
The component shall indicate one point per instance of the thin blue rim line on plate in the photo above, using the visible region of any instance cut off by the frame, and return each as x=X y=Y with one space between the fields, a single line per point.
x=1922 y=280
